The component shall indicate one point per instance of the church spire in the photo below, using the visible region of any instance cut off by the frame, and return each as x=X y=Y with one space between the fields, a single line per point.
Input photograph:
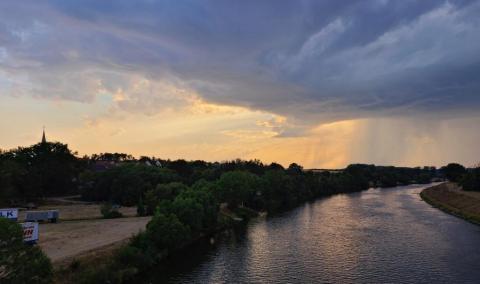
x=44 y=140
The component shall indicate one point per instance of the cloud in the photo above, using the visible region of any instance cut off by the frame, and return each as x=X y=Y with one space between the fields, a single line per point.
x=419 y=66
x=316 y=44
x=310 y=61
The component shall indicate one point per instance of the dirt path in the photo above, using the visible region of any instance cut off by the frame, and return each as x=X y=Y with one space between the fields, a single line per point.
x=68 y=239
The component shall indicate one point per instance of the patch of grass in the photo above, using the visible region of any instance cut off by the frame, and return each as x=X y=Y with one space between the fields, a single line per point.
x=449 y=208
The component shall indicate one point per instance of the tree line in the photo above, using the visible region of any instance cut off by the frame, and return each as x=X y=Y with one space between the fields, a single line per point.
x=468 y=178
x=48 y=169
x=187 y=199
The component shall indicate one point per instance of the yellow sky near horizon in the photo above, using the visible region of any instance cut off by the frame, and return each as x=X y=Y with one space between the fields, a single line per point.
x=206 y=131
x=161 y=79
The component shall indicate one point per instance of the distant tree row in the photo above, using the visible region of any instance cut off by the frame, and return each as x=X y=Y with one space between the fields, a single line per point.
x=469 y=179
x=46 y=169
x=270 y=188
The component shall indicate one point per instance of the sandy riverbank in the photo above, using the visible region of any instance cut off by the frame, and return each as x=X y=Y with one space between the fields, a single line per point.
x=450 y=198
x=67 y=240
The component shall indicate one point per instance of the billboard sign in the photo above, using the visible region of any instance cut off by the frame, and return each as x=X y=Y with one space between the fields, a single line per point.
x=30 y=232
x=9 y=213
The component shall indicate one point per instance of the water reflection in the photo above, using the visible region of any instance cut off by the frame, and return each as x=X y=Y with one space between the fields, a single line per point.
x=377 y=236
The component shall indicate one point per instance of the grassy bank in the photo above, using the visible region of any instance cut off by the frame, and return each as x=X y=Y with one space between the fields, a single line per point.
x=447 y=197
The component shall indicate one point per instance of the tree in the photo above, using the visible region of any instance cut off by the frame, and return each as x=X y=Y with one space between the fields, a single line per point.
x=21 y=263
x=166 y=231
x=203 y=192
x=126 y=183
x=471 y=180
x=141 y=211
x=40 y=170
x=161 y=193
x=294 y=169
x=453 y=172
x=189 y=211
x=235 y=187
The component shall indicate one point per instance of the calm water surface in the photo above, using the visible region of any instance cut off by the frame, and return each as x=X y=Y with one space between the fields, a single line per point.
x=376 y=236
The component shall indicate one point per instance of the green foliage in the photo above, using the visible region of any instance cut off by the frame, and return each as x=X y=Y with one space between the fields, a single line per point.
x=126 y=183
x=108 y=212
x=107 y=273
x=74 y=265
x=189 y=211
x=471 y=180
x=169 y=190
x=166 y=231
x=21 y=263
x=131 y=256
x=203 y=194
x=453 y=172
x=141 y=210
x=40 y=170
x=236 y=187
x=277 y=191
x=162 y=192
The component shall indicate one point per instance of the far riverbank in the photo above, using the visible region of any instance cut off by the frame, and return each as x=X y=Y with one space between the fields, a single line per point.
x=449 y=197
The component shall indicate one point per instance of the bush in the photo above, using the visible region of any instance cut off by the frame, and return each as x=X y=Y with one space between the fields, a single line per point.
x=108 y=212
x=21 y=263
x=471 y=180
x=74 y=265
x=130 y=256
x=141 y=210
x=166 y=231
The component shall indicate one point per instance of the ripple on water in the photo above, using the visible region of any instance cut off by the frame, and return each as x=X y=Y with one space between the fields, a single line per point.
x=377 y=236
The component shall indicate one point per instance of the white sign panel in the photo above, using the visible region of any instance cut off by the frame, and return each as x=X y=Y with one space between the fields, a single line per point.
x=9 y=213
x=30 y=231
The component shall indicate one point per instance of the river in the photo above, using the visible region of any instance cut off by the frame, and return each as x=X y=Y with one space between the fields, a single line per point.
x=377 y=236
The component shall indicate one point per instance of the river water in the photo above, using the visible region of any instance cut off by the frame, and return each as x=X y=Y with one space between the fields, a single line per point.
x=376 y=236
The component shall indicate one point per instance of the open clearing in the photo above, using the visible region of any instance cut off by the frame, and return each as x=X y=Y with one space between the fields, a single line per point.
x=81 y=231
x=66 y=240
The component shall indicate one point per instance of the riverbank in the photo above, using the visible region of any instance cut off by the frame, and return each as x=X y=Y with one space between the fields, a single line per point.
x=94 y=264
x=450 y=198
x=376 y=236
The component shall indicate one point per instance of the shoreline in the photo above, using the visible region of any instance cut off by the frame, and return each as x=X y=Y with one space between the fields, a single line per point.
x=69 y=269
x=448 y=198
x=65 y=274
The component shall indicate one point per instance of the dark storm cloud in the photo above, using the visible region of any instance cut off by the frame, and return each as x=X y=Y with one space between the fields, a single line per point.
x=309 y=60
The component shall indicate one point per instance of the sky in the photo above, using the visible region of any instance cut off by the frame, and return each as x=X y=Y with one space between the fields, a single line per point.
x=320 y=83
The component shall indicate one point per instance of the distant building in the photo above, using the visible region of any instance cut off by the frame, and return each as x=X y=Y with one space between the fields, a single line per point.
x=44 y=140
